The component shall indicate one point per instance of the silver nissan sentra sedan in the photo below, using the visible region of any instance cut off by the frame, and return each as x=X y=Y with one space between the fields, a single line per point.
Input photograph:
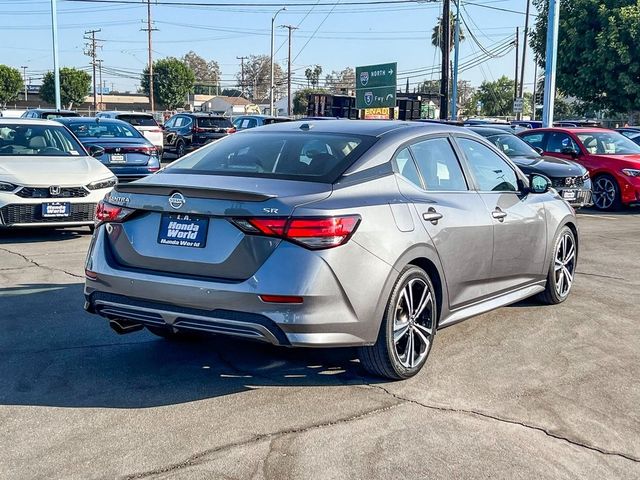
x=328 y=234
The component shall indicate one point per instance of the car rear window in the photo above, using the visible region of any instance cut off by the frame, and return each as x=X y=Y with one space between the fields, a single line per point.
x=214 y=122
x=139 y=120
x=52 y=115
x=93 y=129
x=306 y=156
x=269 y=121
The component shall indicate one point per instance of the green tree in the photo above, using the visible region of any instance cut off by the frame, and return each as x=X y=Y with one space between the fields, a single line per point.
x=313 y=76
x=10 y=84
x=257 y=77
x=598 y=54
x=496 y=97
x=437 y=39
x=74 y=87
x=172 y=82
x=337 y=82
x=231 y=92
x=207 y=74
x=301 y=99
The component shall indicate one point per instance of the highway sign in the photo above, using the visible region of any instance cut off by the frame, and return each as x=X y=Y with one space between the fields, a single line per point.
x=376 y=86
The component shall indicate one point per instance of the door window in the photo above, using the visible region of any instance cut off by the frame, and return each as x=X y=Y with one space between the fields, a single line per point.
x=438 y=165
x=560 y=141
x=492 y=172
x=170 y=123
x=179 y=122
x=407 y=167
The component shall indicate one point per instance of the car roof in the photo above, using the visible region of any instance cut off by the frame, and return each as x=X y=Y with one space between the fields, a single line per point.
x=568 y=130
x=248 y=115
x=125 y=112
x=90 y=120
x=488 y=131
x=373 y=128
x=54 y=110
x=28 y=121
x=202 y=114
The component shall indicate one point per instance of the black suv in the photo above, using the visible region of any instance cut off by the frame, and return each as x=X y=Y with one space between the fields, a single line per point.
x=49 y=113
x=185 y=132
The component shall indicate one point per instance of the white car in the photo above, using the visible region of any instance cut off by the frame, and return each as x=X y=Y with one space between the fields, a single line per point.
x=145 y=123
x=46 y=176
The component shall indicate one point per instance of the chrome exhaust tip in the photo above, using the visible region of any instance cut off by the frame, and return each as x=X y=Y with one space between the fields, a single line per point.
x=121 y=326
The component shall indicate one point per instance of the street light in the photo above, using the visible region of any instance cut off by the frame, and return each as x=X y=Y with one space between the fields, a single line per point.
x=54 y=34
x=273 y=40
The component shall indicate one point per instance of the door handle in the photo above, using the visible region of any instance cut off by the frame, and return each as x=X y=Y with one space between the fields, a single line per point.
x=498 y=214
x=432 y=216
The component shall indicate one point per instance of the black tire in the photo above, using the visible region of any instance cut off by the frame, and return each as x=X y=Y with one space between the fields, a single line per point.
x=169 y=334
x=609 y=200
x=180 y=149
x=383 y=358
x=554 y=291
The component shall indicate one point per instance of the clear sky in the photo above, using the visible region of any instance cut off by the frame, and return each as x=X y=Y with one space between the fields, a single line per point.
x=333 y=36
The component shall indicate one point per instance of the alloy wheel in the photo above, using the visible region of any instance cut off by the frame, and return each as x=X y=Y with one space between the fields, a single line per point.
x=565 y=264
x=604 y=193
x=413 y=323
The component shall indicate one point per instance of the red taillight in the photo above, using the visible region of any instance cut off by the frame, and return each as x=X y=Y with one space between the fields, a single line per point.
x=90 y=274
x=231 y=130
x=197 y=130
x=155 y=130
x=280 y=299
x=313 y=233
x=106 y=212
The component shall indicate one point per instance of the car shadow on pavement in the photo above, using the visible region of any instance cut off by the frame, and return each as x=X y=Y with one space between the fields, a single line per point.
x=52 y=353
x=33 y=235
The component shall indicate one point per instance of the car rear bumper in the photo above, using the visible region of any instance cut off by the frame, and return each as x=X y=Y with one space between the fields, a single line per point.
x=327 y=316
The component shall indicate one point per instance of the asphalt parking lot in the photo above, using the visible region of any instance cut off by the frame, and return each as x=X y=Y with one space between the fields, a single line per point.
x=522 y=392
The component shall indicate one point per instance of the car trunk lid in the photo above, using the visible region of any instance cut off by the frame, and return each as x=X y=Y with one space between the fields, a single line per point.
x=181 y=225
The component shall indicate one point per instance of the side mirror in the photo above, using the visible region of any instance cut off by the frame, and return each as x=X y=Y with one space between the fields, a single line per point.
x=95 y=151
x=539 y=150
x=539 y=183
x=570 y=151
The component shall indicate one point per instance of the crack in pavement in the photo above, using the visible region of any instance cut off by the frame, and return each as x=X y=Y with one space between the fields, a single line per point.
x=53 y=269
x=197 y=457
x=600 y=275
x=75 y=347
x=510 y=422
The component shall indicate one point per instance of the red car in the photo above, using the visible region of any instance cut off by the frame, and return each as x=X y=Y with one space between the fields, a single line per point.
x=612 y=159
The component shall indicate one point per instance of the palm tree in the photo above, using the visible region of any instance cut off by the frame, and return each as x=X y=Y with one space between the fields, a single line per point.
x=436 y=34
x=437 y=37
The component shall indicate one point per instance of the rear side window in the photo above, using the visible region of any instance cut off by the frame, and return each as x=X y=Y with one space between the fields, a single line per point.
x=313 y=157
x=534 y=139
x=213 y=122
x=407 y=167
x=139 y=120
x=439 y=165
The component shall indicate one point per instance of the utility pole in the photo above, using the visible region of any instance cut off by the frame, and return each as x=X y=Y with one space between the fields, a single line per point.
x=535 y=89
x=273 y=47
x=550 y=60
x=290 y=28
x=445 y=40
x=150 y=29
x=56 y=67
x=515 y=86
x=456 y=58
x=91 y=51
x=524 y=49
x=24 y=81
x=242 y=85
x=100 y=82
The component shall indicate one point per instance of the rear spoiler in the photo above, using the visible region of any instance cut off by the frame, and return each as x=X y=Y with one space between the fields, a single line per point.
x=193 y=192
